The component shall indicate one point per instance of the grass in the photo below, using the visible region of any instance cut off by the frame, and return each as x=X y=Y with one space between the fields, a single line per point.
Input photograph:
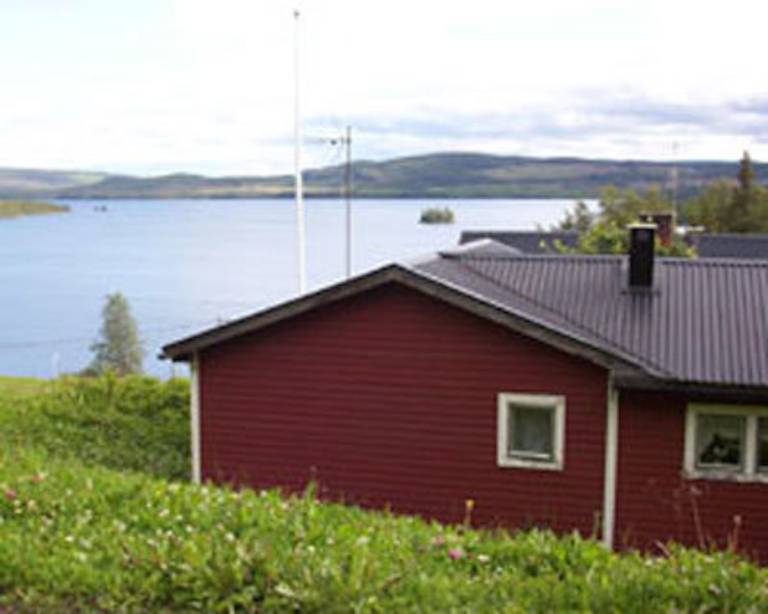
x=20 y=387
x=134 y=423
x=10 y=209
x=83 y=527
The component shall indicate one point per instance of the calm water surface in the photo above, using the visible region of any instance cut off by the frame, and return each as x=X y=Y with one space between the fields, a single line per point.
x=186 y=265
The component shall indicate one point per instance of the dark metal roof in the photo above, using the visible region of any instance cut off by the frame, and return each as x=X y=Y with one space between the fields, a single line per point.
x=409 y=276
x=707 y=245
x=730 y=245
x=705 y=321
x=703 y=325
x=528 y=242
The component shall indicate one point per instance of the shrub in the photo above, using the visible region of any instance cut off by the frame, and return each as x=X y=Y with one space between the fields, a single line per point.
x=133 y=423
x=436 y=215
x=97 y=540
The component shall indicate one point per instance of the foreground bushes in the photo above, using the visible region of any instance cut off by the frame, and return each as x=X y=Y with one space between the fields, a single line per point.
x=76 y=534
x=96 y=539
x=131 y=423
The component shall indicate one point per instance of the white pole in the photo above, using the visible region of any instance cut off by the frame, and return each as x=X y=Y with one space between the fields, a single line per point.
x=299 y=184
x=55 y=365
x=348 y=197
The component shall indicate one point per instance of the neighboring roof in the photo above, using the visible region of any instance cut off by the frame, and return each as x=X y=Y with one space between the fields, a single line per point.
x=703 y=324
x=730 y=245
x=707 y=245
x=527 y=241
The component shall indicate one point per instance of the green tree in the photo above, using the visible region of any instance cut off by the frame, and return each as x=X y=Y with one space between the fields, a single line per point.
x=579 y=218
x=711 y=209
x=743 y=197
x=725 y=206
x=119 y=347
x=606 y=232
x=610 y=237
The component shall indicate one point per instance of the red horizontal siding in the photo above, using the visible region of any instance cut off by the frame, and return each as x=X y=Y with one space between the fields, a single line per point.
x=389 y=399
x=657 y=504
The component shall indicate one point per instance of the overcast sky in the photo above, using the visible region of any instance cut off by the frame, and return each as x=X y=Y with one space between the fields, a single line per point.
x=153 y=86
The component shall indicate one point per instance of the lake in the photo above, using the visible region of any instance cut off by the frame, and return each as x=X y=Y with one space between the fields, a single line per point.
x=186 y=265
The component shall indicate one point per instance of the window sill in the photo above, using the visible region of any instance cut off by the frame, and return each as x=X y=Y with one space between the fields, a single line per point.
x=726 y=476
x=526 y=463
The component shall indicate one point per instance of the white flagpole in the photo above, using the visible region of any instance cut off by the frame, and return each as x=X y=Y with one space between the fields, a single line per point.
x=299 y=184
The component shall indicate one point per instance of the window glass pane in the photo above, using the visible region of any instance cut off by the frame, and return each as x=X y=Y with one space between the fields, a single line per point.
x=531 y=430
x=762 y=444
x=719 y=440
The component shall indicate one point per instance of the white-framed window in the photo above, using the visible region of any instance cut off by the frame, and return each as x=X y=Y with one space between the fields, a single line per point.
x=726 y=442
x=531 y=431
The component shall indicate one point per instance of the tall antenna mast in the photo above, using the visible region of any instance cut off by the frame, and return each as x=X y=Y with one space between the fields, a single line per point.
x=348 y=197
x=299 y=184
x=675 y=175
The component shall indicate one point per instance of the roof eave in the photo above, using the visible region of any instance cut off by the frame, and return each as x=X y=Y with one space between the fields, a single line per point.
x=183 y=349
x=726 y=390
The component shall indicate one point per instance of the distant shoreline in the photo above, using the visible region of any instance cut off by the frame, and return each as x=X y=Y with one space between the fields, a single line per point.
x=449 y=176
x=290 y=197
x=14 y=209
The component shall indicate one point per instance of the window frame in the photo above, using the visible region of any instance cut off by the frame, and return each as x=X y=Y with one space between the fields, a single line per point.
x=544 y=402
x=749 y=471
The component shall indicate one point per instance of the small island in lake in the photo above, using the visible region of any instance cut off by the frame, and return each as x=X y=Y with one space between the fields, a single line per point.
x=10 y=209
x=436 y=215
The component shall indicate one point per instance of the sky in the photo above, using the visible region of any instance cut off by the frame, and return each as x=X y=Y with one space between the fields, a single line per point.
x=158 y=86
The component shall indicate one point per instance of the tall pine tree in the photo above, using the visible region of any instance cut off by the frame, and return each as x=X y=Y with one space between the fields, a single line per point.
x=118 y=348
x=743 y=195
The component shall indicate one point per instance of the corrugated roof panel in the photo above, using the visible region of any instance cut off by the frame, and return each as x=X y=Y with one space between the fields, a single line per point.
x=704 y=321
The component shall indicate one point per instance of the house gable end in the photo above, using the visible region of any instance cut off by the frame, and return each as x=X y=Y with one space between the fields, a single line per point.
x=422 y=283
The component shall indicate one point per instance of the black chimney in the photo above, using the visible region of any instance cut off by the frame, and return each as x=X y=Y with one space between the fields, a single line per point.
x=642 y=240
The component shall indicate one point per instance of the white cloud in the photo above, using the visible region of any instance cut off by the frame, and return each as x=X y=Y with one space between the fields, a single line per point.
x=198 y=86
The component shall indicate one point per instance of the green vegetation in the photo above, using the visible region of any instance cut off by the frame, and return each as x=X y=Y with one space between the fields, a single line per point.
x=83 y=528
x=10 y=209
x=130 y=423
x=606 y=231
x=437 y=215
x=723 y=206
x=726 y=206
x=119 y=348
x=20 y=387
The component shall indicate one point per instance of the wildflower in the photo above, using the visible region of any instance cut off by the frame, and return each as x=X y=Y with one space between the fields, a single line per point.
x=10 y=495
x=483 y=558
x=455 y=554
x=38 y=478
x=438 y=541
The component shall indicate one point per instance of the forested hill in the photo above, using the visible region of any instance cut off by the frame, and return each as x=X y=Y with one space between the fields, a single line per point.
x=442 y=175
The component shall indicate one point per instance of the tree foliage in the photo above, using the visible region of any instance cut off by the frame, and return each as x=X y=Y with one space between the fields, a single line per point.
x=605 y=232
x=119 y=348
x=724 y=206
x=579 y=218
x=727 y=206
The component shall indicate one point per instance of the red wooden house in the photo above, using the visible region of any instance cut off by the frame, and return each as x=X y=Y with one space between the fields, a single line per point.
x=620 y=396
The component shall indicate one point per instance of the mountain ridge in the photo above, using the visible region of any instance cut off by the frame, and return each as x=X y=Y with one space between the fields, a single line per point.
x=436 y=175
